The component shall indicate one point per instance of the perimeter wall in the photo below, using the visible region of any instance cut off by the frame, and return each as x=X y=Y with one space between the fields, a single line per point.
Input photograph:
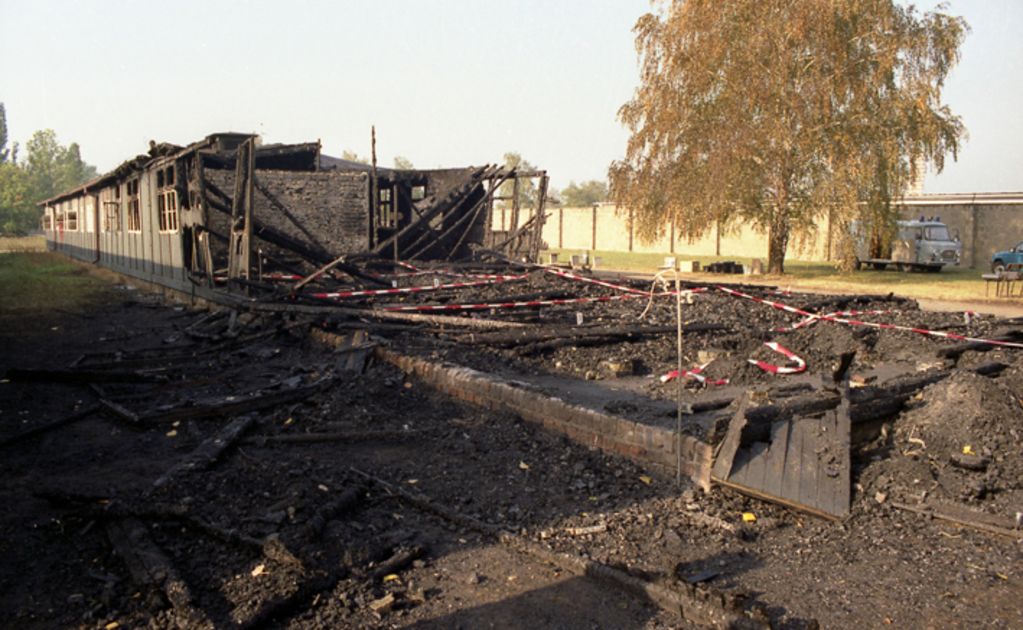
x=985 y=222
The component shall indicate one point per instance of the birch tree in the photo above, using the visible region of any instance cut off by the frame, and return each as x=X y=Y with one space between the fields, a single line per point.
x=776 y=113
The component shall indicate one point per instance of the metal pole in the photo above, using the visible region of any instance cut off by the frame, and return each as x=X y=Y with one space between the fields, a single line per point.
x=374 y=191
x=678 y=381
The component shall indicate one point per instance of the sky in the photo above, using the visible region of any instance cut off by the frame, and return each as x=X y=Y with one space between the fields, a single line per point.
x=445 y=82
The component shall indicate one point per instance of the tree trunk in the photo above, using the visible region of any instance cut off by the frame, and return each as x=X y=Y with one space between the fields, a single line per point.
x=777 y=243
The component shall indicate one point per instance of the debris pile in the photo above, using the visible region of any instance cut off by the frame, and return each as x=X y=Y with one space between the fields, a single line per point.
x=960 y=442
x=257 y=465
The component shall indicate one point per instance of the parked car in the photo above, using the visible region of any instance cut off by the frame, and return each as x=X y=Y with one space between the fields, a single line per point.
x=1001 y=260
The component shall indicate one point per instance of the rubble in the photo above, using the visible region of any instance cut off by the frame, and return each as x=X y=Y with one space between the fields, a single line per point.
x=364 y=496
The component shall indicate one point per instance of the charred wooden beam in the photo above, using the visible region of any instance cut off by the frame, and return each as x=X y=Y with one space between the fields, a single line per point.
x=575 y=333
x=326 y=512
x=467 y=217
x=965 y=518
x=541 y=219
x=240 y=248
x=423 y=318
x=49 y=426
x=119 y=410
x=444 y=206
x=232 y=407
x=80 y=376
x=208 y=451
x=150 y=568
x=842 y=302
x=955 y=351
x=349 y=437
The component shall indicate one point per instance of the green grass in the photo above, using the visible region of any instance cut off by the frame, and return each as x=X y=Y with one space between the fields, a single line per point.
x=37 y=284
x=22 y=244
x=952 y=283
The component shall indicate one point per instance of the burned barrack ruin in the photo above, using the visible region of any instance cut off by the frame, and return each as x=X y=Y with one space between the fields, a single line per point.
x=228 y=211
x=548 y=425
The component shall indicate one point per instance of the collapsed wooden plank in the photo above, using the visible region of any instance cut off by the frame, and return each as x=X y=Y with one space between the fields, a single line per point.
x=49 y=426
x=329 y=510
x=348 y=437
x=232 y=406
x=119 y=410
x=151 y=568
x=78 y=376
x=726 y=451
x=964 y=518
x=570 y=333
x=354 y=351
x=369 y=313
x=955 y=351
x=240 y=248
x=208 y=451
x=805 y=463
x=190 y=355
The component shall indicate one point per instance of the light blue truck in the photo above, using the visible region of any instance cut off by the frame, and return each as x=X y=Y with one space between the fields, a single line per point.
x=1008 y=260
x=921 y=245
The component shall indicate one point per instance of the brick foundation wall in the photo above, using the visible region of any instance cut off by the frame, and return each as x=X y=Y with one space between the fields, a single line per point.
x=653 y=447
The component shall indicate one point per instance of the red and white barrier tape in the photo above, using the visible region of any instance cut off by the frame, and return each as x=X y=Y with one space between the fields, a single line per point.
x=495 y=305
x=780 y=369
x=695 y=373
x=441 y=272
x=283 y=277
x=337 y=295
x=815 y=318
x=855 y=322
x=417 y=271
x=603 y=283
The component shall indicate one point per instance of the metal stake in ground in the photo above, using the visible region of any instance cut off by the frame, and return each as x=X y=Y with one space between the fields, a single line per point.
x=678 y=390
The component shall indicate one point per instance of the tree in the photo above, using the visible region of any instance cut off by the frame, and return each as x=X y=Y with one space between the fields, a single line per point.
x=352 y=156
x=18 y=212
x=777 y=112
x=4 y=151
x=403 y=163
x=49 y=168
x=584 y=193
x=527 y=189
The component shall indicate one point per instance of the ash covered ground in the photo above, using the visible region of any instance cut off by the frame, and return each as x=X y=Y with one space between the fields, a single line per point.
x=111 y=517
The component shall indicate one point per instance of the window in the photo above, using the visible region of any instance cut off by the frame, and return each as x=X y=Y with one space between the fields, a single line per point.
x=134 y=211
x=111 y=199
x=937 y=233
x=387 y=217
x=71 y=217
x=418 y=192
x=111 y=216
x=167 y=206
x=167 y=200
x=58 y=215
x=48 y=220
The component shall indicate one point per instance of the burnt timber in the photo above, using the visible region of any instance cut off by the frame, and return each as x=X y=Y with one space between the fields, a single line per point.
x=227 y=210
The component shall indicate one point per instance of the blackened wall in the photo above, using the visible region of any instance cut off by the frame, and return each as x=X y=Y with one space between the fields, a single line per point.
x=332 y=205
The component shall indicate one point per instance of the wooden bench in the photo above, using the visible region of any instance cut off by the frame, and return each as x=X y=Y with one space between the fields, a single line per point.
x=1005 y=282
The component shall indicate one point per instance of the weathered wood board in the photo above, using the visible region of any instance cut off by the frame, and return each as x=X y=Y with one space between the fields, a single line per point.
x=805 y=465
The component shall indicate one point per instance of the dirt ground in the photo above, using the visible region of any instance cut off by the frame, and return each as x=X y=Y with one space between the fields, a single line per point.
x=103 y=525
